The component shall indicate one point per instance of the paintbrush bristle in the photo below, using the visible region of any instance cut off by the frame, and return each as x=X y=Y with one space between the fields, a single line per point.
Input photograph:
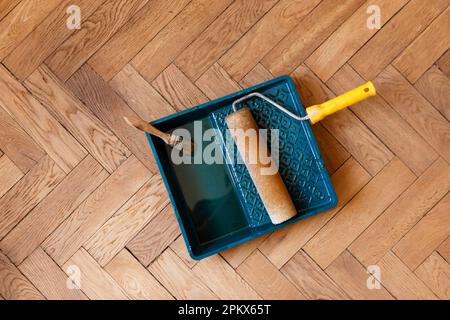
x=187 y=146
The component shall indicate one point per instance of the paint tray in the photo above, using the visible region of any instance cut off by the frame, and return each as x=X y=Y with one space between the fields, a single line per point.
x=217 y=205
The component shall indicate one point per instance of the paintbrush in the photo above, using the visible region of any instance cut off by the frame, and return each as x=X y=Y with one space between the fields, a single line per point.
x=175 y=141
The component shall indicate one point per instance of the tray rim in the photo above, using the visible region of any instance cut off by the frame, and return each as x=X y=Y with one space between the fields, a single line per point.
x=236 y=95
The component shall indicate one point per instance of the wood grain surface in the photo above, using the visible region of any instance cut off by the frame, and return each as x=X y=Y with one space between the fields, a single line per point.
x=80 y=190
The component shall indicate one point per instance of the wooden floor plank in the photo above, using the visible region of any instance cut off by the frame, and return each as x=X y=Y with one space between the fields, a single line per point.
x=94 y=32
x=353 y=278
x=180 y=249
x=7 y=6
x=333 y=153
x=359 y=213
x=53 y=210
x=13 y=284
x=396 y=35
x=128 y=221
x=344 y=126
x=38 y=123
x=176 y=36
x=435 y=273
x=107 y=105
x=403 y=214
x=101 y=143
x=28 y=193
x=216 y=83
x=256 y=76
x=434 y=85
x=425 y=236
x=236 y=255
x=47 y=37
x=176 y=277
x=46 y=275
x=177 y=89
x=444 y=63
x=367 y=149
x=425 y=49
x=349 y=38
x=266 y=279
x=80 y=190
x=135 y=280
x=298 y=44
x=387 y=124
x=281 y=245
x=415 y=109
x=140 y=95
x=312 y=282
x=223 y=280
x=236 y=20
x=95 y=282
x=311 y=89
x=401 y=282
x=151 y=241
x=262 y=37
x=133 y=36
x=9 y=174
x=444 y=249
x=17 y=144
x=21 y=21
x=96 y=210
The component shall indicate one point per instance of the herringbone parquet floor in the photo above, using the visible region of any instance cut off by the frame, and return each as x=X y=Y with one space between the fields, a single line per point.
x=78 y=187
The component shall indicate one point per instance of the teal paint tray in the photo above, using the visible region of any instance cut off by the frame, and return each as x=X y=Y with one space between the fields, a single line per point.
x=217 y=205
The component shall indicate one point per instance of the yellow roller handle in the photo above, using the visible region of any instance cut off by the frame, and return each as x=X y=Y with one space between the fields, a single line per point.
x=320 y=111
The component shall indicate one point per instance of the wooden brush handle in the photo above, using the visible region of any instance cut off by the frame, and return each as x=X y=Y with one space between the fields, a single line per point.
x=140 y=124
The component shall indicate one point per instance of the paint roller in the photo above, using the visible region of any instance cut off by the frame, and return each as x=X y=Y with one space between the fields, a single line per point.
x=270 y=186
